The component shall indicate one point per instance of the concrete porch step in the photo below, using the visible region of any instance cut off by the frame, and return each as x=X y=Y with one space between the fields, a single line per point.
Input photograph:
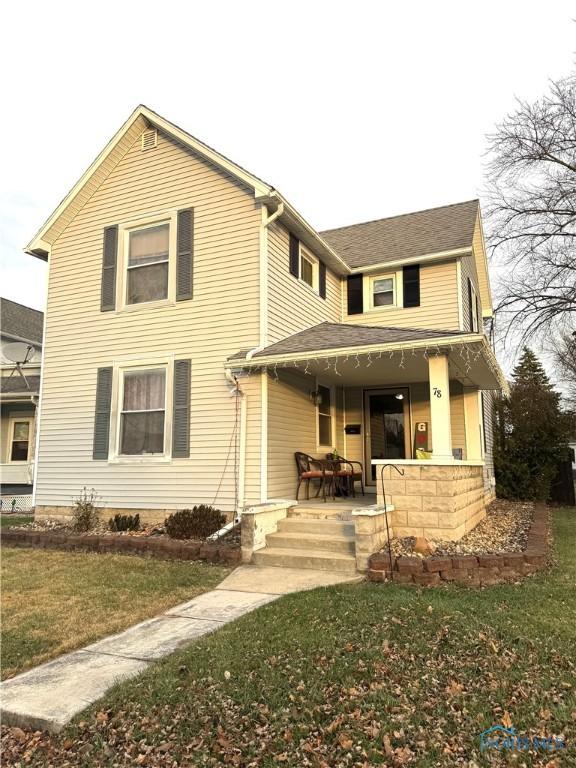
x=317 y=541
x=311 y=527
x=305 y=558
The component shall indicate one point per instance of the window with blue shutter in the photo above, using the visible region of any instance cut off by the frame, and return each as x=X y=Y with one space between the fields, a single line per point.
x=411 y=285
x=102 y=413
x=181 y=409
x=355 y=294
x=109 y=259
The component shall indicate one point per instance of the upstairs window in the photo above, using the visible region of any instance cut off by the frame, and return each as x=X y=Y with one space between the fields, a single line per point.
x=147 y=267
x=143 y=414
x=306 y=270
x=383 y=291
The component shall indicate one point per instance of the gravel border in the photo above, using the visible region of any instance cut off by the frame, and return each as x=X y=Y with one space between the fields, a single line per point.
x=504 y=529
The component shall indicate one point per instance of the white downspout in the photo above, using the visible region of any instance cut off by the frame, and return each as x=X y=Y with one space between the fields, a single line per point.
x=241 y=459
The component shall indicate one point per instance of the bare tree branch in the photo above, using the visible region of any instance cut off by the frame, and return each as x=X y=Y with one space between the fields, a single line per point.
x=532 y=212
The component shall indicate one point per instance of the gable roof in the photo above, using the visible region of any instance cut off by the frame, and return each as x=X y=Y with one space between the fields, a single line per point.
x=15 y=385
x=445 y=231
x=141 y=119
x=20 y=322
x=408 y=236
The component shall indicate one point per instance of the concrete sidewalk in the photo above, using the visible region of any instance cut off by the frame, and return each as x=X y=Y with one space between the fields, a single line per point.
x=49 y=696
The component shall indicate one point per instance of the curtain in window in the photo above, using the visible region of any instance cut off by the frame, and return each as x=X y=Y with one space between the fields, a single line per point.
x=143 y=412
x=149 y=245
x=148 y=264
x=20 y=439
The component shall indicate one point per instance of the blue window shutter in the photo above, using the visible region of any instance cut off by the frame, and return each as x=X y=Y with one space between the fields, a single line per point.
x=185 y=254
x=322 y=279
x=102 y=414
x=294 y=255
x=411 y=285
x=355 y=295
x=109 y=258
x=181 y=410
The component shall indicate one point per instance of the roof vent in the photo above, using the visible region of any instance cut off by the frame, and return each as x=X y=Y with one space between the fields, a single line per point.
x=149 y=139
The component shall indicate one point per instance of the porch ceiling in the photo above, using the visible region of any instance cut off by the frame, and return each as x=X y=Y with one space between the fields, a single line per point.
x=471 y=361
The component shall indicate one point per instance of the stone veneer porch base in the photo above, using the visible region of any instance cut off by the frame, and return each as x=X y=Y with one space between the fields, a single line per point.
x=436 y=501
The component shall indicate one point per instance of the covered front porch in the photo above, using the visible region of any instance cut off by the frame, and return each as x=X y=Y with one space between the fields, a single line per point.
x=414 y=400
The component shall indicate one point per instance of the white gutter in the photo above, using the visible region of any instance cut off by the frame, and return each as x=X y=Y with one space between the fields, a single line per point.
x=360 y=350
x=425 y=258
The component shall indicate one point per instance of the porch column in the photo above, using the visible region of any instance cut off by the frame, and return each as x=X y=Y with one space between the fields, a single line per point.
x=440 y=407
x=472 y=420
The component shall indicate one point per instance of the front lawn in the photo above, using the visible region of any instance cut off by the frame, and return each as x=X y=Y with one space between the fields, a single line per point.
x=53 y=602
x=7 y=520
x=353 y=675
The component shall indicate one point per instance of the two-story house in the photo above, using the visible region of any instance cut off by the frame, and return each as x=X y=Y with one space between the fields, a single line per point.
x=20 y=364
x=199 y=332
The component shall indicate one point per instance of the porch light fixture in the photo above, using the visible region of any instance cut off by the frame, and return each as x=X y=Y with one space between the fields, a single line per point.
x=399 y=396
x=316 y=397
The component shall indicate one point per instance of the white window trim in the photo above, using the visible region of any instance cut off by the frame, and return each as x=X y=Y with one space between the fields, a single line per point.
x=397 y=286
x=332 y=388
x=11 y=424
x=305 y=254
x=119 y=369
x=124 y=230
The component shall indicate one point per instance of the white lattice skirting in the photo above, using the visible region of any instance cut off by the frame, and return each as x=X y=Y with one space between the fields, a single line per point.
x=16 y=503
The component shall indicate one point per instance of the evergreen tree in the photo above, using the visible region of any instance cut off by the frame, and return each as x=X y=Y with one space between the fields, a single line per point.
x=531 y=433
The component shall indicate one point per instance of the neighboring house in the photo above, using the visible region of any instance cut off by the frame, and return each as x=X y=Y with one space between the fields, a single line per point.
x=18 y=398
x=199 y=331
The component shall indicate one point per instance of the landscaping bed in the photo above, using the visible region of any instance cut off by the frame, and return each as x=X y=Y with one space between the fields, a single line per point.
x=59 y=536
x=511 y=542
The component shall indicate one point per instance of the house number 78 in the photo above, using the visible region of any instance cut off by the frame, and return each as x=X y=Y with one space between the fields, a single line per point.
x=437 y=392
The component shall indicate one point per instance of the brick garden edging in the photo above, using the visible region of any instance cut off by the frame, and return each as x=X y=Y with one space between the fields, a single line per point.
x=168 y=549
x=475 y=570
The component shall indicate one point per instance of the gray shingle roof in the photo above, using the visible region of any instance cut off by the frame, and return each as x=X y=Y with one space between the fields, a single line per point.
x=338 y=335
x=21 y=321
x=405 y=237
x=15 y=384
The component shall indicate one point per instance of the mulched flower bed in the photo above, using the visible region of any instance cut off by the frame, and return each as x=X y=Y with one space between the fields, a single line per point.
x=102 y=529
x=151 y=540
x=504 y=529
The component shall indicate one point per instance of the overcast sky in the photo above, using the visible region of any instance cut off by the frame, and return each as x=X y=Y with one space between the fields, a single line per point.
x=353 y=111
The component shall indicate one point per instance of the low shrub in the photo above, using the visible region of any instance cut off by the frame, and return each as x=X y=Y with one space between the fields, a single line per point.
x=85 y=511
x=124 y=523
x=197 y=523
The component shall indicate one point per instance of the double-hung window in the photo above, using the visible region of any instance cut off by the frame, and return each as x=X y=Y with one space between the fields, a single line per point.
x=20 y=441
x=306 y=270
x=324 y=416
x=147 y=264
x=143 y=412
x=383 y=291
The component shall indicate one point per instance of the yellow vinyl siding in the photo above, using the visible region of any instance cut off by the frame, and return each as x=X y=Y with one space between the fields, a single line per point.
x=291 y=428
x=292 y=305
x=468 y=271
x=354 y=445
x=480 y=255
x=438 y=302
x=221 y=319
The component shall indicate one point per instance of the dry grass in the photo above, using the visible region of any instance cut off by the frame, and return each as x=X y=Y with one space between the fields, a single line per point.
x=53 y=602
